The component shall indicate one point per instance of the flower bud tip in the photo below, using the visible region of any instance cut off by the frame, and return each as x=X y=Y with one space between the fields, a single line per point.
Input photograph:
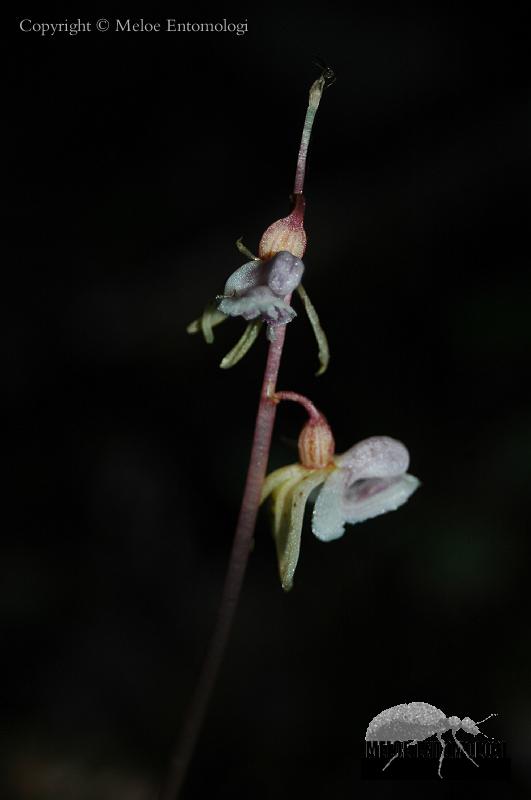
x=285 y=234
x=316 y=444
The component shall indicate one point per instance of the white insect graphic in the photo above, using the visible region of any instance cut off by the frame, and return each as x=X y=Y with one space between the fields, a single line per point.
x=414 y=722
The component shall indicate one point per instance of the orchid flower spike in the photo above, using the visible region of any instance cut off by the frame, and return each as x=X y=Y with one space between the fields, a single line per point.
x=260 y=290
x=367 y=480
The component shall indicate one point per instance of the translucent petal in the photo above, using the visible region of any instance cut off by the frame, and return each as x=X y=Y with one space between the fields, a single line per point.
x=369 y=498
x=328 y=519
x=288 y=522
x=320 y=335
x=243 y=345
x=341 y=501
x=245 y=277
x=376 y=457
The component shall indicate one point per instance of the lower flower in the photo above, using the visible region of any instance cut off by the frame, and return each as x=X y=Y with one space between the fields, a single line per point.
x=364 y=482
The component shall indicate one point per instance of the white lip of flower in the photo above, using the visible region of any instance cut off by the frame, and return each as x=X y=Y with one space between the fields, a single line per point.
x=259 y=301
x=364 y=482
x=257 y=289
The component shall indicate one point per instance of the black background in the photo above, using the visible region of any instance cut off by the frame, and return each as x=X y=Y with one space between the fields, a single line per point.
x=138 y=159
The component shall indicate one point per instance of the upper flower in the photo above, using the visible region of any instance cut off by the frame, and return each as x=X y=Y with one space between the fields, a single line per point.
x=368 y=480
x=258 y=289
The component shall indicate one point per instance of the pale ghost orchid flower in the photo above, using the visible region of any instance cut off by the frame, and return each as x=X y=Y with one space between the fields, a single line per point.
x=257 y=289
x=368 y=480
x=260 y=290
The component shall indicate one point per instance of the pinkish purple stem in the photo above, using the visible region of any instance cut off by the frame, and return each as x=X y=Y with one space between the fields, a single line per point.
x=244 y=534
x=313 y=413
x=239 y=557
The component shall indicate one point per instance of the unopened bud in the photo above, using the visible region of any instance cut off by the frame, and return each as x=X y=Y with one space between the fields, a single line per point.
x=285 y=234
x=316 y=444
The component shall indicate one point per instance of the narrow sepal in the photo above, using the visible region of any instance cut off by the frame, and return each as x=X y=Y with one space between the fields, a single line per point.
x=245 y=250
x=243 y=345
x=208 y=320
x=320 y=335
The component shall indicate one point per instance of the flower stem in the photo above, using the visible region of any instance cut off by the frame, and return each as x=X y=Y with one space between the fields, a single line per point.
x=239 y=557
x=243 y=537
x=316 y=91
x=295 y=397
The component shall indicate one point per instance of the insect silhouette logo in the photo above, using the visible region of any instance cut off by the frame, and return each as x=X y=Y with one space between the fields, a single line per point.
x=414 y=731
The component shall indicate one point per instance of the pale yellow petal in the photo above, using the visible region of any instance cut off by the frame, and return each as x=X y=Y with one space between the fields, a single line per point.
x=281 y=503
x=288 y=520
x=277 y=477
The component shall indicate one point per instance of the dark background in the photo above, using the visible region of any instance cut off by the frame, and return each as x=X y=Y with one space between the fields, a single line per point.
x=138 y=159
